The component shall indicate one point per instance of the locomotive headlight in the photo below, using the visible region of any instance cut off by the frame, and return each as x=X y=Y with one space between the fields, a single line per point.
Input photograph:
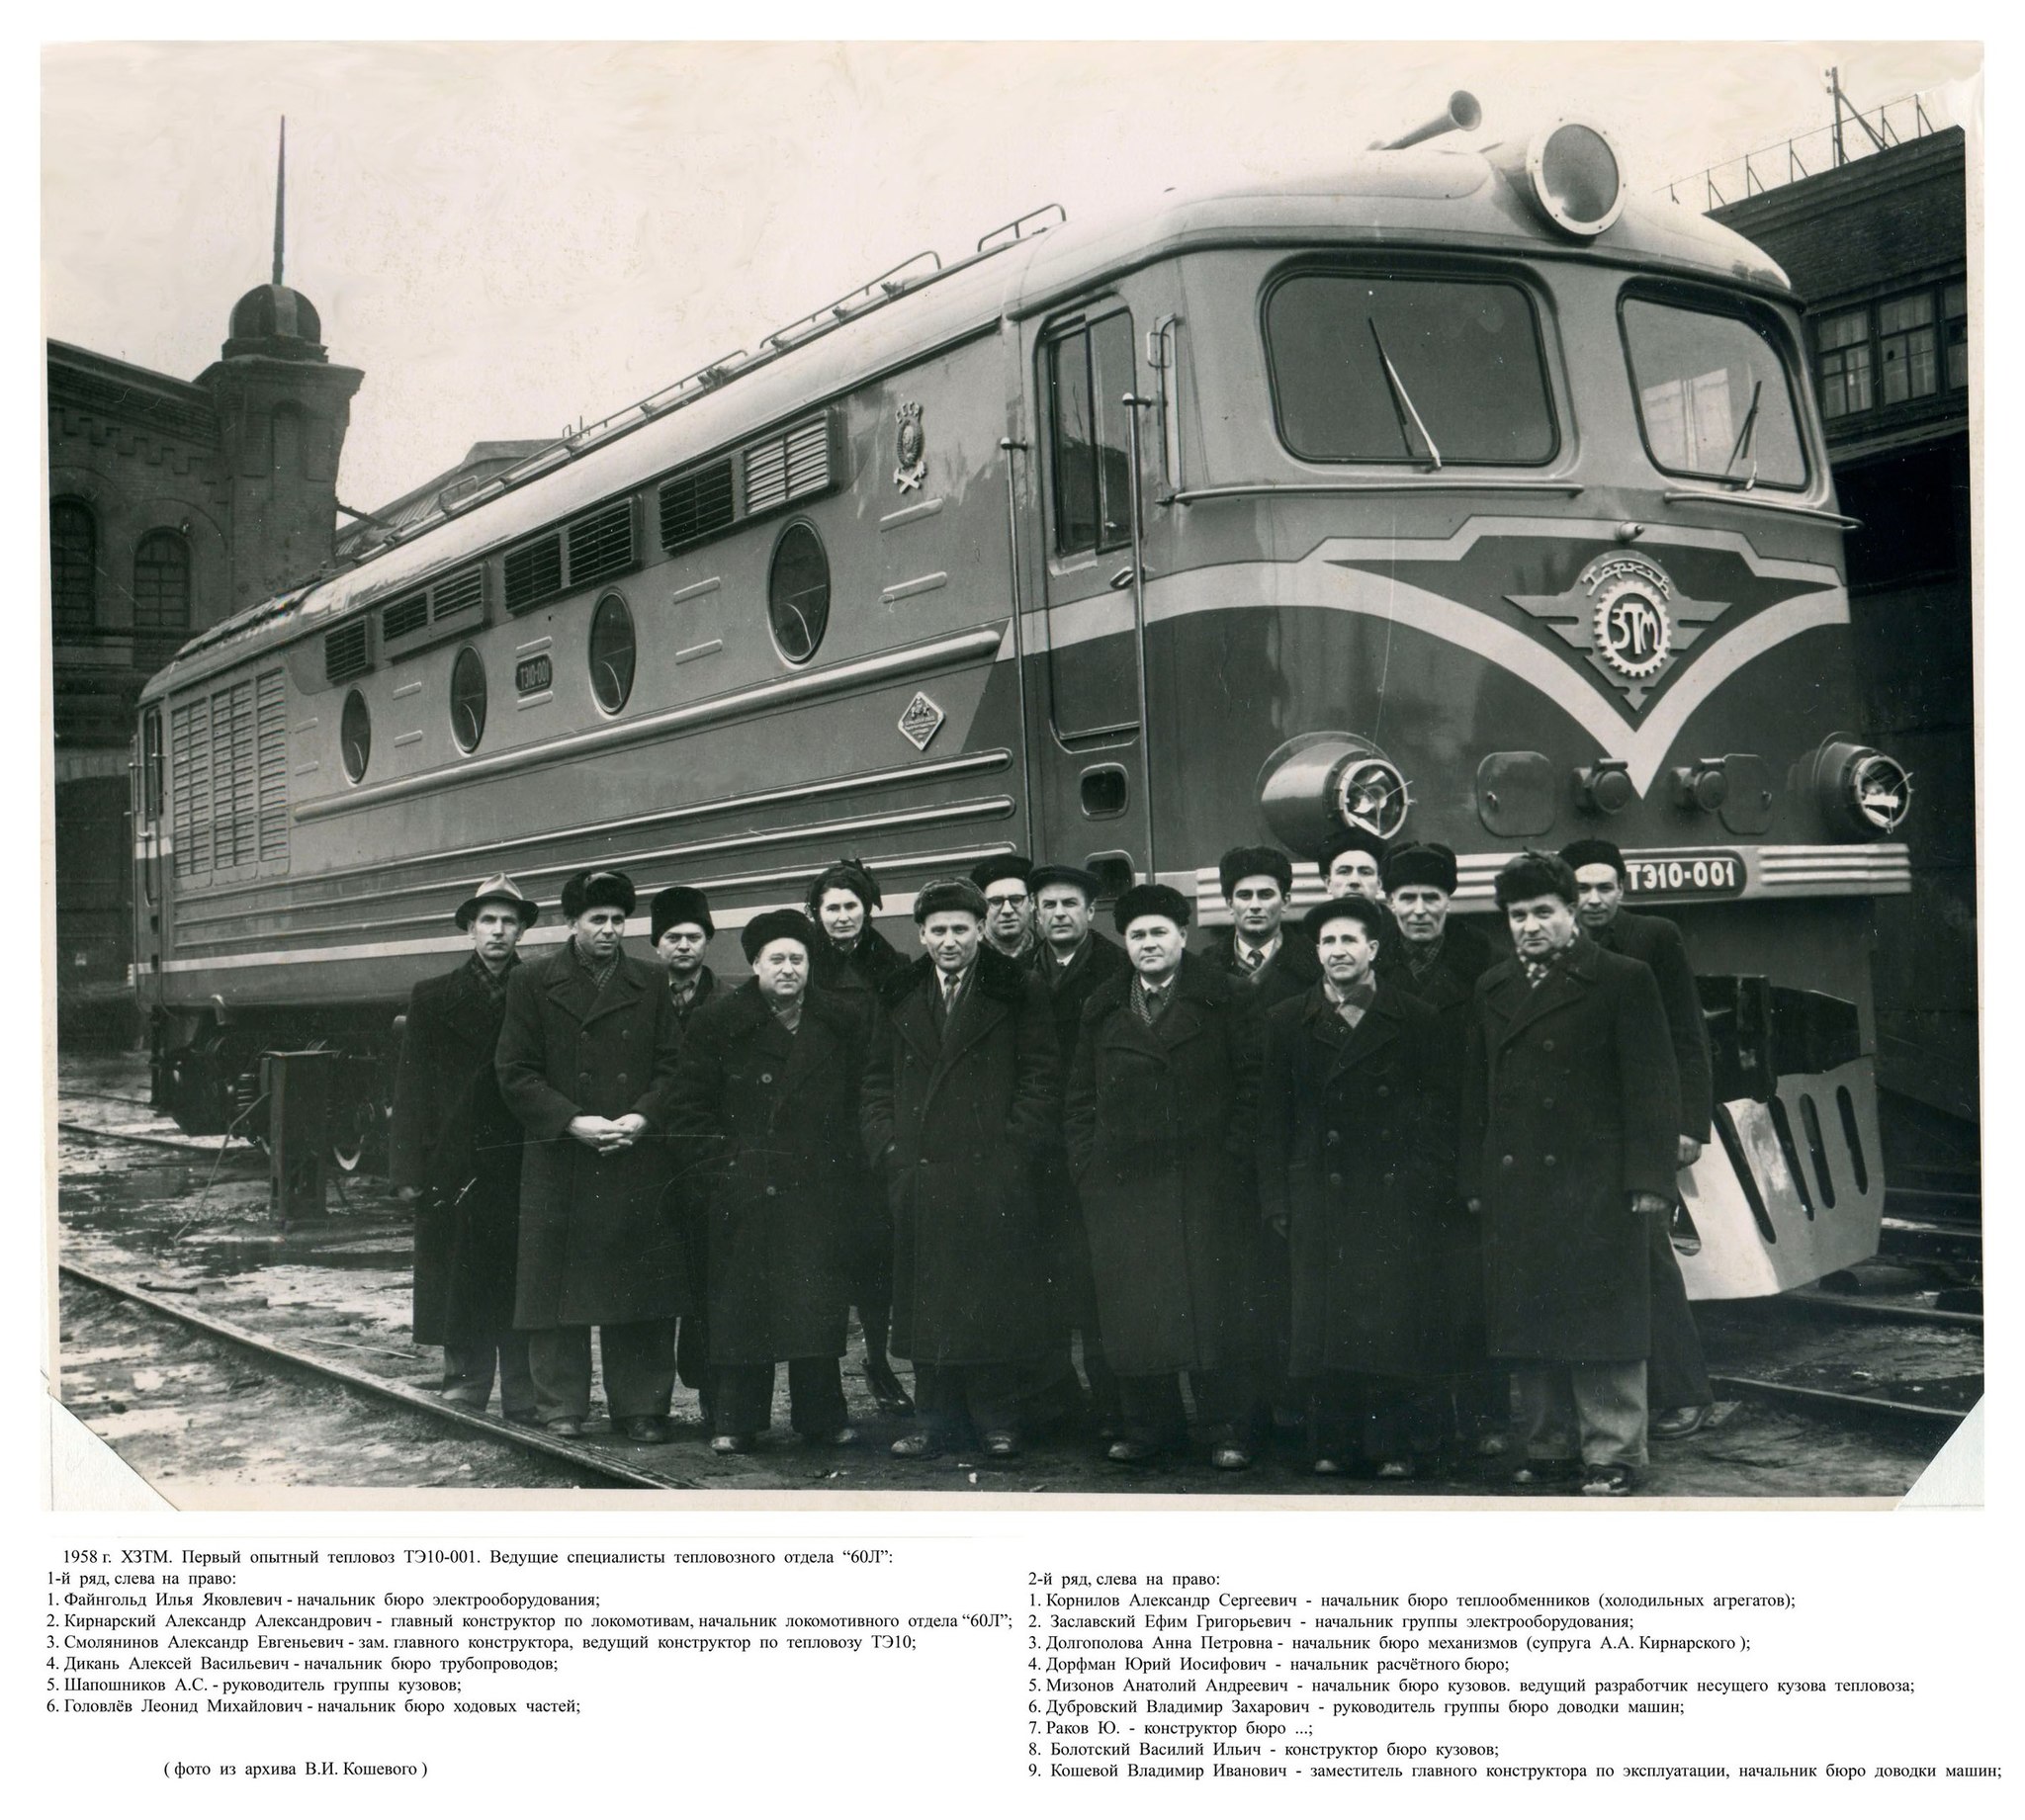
x=1576 y=178
x=1314 y=787
x=1862 y=788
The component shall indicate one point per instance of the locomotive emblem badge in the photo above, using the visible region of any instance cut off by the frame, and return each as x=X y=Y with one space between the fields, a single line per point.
x=1625 y=613
x=921 y=720
x=908 y=449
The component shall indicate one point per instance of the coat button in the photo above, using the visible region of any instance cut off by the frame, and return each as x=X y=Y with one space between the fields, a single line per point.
x=1336 y=1182
x=765 y=1080
x=771 y=1191
x=1548 y=1044
x=1507 y=1162
x=1548 y=1102
x=1550 y=1160
x=1384 y=1093
x=622 y=1079
x=1388 y=1175
x=1334 y=1137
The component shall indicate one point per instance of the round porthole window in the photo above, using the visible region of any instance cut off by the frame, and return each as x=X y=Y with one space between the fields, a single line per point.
x=355 y=737
x=798 y=593
x=468 y=700
x=612 y=654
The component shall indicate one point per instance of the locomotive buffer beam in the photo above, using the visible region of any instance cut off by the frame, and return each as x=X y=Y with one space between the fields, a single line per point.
x=298 y=1084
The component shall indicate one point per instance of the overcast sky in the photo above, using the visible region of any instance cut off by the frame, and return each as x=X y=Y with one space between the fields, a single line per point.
x=509 y=238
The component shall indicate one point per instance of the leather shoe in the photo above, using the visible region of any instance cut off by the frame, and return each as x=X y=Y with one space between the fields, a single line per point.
x=1131 y=1452
x=645 y=1431
x=1678 y=1423
x=837 y=1437
x=730 y=1443
x=887 y=1389
x=1396 y=1469
x=1001 y=1445
x=917 y=1446
x=564 y=1428
x=1326 y=1468
x=1230 y=1459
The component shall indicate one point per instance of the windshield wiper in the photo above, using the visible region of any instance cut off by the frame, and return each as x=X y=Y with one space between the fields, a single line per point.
x=1402 y=405
x=1746 y=438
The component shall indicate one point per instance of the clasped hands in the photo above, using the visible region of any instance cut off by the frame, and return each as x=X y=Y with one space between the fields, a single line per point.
x=607 y=1136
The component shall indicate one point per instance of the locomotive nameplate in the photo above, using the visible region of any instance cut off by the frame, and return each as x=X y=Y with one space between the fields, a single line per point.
x=1686 y=872
x=531 y=675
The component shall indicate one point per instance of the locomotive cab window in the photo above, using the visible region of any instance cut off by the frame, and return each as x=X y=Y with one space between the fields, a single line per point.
x=1088 y=372
x=1423 y=370
x=612 y=654
x=1714 y=395
x=468 y=700
x=797 y=593
x=355 y=736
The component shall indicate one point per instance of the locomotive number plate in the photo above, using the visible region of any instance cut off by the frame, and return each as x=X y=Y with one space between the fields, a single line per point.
x=1689 y=872
x=531 y=675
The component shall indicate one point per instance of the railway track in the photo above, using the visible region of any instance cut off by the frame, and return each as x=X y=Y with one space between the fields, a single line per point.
x=1937 y=1420
x=592 y=1463
x=189 y=1147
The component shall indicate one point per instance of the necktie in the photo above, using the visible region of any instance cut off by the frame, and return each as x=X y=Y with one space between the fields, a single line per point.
x=1252 y=959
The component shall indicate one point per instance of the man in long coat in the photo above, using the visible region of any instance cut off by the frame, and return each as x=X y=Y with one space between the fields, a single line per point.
x=1160 y=1126
x=1072 y=962
x=959 y=1094
x=456 y=1155
x=1571 y=1105
x=1357 y=1167
x=1677 y=1374
x=767 y=1108
x=851 y=957
x=587 y=1062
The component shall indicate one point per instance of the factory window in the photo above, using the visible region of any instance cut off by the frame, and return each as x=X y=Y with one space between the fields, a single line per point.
x=1713 y=394
x=1905 y=347
x=355 y=737
x=73 y=566
x=1955 y=316
x=161 y=597
x=468 y=700
x=797 y=593
x=1844 y=341
x=612 y=654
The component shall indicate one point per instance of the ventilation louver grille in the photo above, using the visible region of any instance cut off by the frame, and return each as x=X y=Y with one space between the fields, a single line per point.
x=696 y=505
x=601 y=542
x=345 y=653
x=788 y=466
x=397 y=618
x=533 y=571
x=230 y=753
x=456 y=594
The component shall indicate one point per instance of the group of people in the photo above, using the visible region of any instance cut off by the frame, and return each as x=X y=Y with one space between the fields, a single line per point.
x=1353 y=1175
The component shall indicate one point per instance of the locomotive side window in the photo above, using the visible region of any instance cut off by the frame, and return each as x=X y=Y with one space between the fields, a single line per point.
x=1090 y=370
x=151 y=765
x=1714 y=397
x=612 y=654
x=355 y=736
x=797 y=593
x=1423 y=370
x=468 y=700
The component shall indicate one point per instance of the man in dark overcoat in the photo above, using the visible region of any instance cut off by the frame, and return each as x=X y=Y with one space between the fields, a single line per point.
x=681 y=927
x=1072 y=962
x=1162 y=1116
x=960 y=1096
x=1439 y=958
x=1569 y=1115
x=851 y=957
x=456 y=1155
x=1357 y=1168
x=1677 y=1374
x=767 y=1110
x=587 y=1062
x=1264 y=956
x=1009 y=904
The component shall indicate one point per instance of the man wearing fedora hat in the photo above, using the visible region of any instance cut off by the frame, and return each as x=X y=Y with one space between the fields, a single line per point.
x=456 y=1155
x=587 y=1062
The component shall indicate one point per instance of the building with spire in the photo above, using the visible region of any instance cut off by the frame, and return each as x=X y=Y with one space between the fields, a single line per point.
x=173 y=503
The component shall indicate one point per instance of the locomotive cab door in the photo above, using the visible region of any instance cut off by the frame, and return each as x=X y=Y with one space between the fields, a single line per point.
x=1090 y=783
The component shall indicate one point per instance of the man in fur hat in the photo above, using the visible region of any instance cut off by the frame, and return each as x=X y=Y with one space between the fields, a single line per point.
x=958 y=1102
x=1009 y=904
x=1260 y=953
x=679 y=927
x=587 y=1062
x=1679 y=1375
x=1353 y=865
x=456 y=1155
x=1161 y=1117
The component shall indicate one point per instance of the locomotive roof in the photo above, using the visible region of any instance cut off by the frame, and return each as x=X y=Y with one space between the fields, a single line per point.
x=1423 y=198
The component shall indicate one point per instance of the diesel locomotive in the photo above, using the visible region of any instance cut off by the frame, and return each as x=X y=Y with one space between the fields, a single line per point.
x=1452 y=494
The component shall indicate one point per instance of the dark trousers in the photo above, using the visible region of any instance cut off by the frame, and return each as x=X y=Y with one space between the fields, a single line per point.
x=469 y=1368
x=1151 y=1408
x=639 y=1362
x=1676 y=1373
x=950 y=1399
x=1361 y=1415
x=741 y=1397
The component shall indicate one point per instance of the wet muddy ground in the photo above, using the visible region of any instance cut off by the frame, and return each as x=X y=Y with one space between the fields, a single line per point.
x=195 y=1223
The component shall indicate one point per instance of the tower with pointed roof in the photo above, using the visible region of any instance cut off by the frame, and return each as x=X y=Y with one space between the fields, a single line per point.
x=283 y=410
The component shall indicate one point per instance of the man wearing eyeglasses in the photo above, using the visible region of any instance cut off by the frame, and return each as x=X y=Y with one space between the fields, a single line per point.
x=1007 y=881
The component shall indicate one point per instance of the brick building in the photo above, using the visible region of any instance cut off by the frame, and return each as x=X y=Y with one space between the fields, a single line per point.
x=172 y=503
x=1878 y=249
